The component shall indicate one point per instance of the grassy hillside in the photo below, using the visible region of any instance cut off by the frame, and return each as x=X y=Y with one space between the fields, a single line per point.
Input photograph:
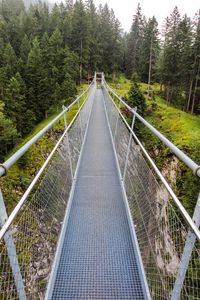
x=22 y=173
x=179 y=127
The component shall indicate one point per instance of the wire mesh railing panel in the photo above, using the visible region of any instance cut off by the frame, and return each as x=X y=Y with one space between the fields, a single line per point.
x=112 y=114
x=161 y=231
x=191 y=285
x=84 y=113
x=35 y=232
x=121 y=141
x=28 y=248
x=120 y=137
x=74 y=137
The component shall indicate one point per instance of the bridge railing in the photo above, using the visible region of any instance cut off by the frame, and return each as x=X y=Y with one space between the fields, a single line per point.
x=168 y=237
x=28 y=237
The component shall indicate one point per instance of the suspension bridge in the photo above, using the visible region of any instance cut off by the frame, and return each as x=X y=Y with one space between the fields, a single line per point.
x=99 y=220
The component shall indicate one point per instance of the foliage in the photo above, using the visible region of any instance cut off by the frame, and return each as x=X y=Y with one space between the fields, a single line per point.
x=47 y=52
x=136 y=97
x=22 y=173
x=179 y=127
x=180 y=62
x=8 y=132
x=174 y=62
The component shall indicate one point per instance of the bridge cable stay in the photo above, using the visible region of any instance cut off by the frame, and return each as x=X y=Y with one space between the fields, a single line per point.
x=99 y=220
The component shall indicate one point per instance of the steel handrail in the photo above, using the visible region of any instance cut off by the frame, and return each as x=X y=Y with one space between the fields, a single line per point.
x=180 y=154
x=183 y=211
x=17 y=155
x=22 y=201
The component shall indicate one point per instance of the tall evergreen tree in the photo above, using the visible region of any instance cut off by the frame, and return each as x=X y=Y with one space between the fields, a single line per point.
x=149 y=51
x=135 y=38
x=171 y=57
x=136 y=97
x=38 y=84
x=93 y=42
x=8 y=132
x=15 y=105
x=80 y=36
x=25 y=48
x=194 y=95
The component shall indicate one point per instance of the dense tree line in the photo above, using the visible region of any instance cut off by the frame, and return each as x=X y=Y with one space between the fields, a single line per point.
x=45 y=53
x=173 y=60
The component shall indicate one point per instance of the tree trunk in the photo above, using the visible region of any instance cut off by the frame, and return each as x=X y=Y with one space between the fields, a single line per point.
x=161 y=86
x=168 y=92
x=81 y=61
x=195 y=89
x=150 y=67
x=189 y=96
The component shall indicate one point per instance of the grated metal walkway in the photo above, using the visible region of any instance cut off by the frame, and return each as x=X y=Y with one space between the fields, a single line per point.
x=97 y=259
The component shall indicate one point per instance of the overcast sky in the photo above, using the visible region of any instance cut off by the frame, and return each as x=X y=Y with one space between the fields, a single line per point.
x=125 y=9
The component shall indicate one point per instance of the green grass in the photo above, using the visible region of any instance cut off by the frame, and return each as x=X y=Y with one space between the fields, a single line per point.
x=46 y=121
x=121 y=86
x=21 y=173
x=182 y=128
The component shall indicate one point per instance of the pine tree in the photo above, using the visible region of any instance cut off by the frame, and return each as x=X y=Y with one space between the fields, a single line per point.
x=25 y=48
x=15 y=105
x=136 y=97
x=79 y=35
x=8 y=132
x=9 y=61
x=111 y=54
x=194 y=98
x=71 y=65
x=185 y=61
x=66 y=23
x=68 y=89
x=93 y=42
x=11 y=8
x=135 y=38
x=171 y=57
x=149 y=51
x=39 y=89
x=117 y=52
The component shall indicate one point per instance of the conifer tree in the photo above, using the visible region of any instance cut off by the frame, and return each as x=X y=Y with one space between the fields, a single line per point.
x=135 y=38
x=136 y=97
x=8 y=132
x=149 y=51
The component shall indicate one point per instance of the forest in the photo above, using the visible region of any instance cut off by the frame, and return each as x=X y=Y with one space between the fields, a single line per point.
x=47 y=52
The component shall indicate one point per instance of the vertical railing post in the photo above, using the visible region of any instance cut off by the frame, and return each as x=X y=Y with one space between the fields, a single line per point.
x=129 y=145
x=80 y=122
x=68 y=145
x=102 y=78
x=117 y=121
x=186 y=256
x=65 y=121
x=11 y=251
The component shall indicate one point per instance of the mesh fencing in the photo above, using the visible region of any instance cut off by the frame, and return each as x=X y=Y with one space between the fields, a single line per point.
x=161 y=231
x=30 y=243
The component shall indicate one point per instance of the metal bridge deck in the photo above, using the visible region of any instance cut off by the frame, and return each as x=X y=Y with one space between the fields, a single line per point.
x=98 y=259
